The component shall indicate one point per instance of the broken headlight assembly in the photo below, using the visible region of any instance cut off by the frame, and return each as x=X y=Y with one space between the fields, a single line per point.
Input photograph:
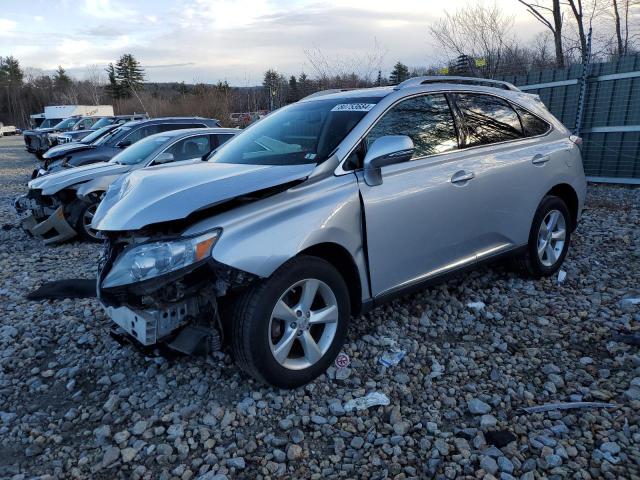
x=154 y=259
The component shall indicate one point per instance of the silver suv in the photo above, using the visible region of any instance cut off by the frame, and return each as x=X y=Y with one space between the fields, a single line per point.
x=330 y=206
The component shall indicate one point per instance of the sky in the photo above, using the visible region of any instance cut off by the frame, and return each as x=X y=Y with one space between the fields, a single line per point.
x=232 y=40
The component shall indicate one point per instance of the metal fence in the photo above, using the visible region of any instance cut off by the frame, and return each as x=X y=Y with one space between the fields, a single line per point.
x=601 y=103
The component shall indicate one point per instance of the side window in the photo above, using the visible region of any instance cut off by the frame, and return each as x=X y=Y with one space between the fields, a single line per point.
x=488 y=119
x=141 y=133
x=532 y=125
x=180 y=126
x=220 y=139
x=426 y=119
x=190 y=148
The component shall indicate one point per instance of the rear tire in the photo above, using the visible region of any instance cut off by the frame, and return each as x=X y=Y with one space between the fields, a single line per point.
x=549 y=239
x=287 y=329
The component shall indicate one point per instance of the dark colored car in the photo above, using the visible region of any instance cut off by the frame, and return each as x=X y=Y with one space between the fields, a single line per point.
x=41 y=139
x=121 y=137
x=77 y=135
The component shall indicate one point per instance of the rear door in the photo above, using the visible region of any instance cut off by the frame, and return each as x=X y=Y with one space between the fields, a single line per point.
x=421 y=221
x=510 y=168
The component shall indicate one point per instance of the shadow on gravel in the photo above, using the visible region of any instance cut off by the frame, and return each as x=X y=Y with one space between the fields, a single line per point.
x=68 y=288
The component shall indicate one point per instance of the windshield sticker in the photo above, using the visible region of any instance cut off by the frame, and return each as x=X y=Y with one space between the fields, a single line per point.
x=353 y=107
x=310 y=156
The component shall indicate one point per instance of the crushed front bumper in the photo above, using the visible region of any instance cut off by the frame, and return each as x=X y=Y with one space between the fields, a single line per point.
x=54 y=228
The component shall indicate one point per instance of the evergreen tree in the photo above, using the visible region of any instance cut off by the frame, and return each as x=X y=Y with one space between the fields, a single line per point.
x=113 y=87
x=293 y=95
x=129 y=74
x=61 y=81
x=399 y=73
x=11 y=74
x=303 y=85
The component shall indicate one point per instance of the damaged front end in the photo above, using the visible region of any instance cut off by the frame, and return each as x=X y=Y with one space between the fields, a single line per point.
x=159 y=289
x=49 y=217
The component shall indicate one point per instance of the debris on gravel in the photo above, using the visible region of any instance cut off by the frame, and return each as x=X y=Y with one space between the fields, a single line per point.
x=76 y=404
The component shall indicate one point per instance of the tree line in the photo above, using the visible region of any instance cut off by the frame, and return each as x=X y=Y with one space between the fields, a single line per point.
x=478 y=39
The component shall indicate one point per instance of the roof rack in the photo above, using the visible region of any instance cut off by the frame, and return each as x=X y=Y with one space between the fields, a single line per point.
x=327 y=92
x=486 y=82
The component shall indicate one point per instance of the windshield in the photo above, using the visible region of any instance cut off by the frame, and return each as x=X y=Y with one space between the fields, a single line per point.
x=141 y=150
x=113 y=136
x=49 y=122
x=97 y=134
x=306 y=132
x=68 y=123
x=103 y=122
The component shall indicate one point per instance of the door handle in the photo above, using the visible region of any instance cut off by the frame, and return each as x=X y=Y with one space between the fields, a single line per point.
x=462 y=176
x=540 y=159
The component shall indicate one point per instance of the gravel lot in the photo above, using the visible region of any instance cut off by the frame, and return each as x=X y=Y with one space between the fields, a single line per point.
x=75 y=404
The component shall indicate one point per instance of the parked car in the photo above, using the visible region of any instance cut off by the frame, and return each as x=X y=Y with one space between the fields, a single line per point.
x=329 y=207
x=62 y=204
x=41 y=139
x=6 y=130
x=125 y=135
x=74 y=136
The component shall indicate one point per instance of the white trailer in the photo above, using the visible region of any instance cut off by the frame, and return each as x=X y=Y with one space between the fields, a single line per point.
x=64 y=111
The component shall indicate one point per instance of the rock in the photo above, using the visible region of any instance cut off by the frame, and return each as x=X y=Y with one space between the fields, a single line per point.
x=499 y=438
x=128 y=454
x=610 y=447
x=111 y=455
x=488 y=421
x=489 y=465
x=236 y=462
x=294 y=452
x=478 y=407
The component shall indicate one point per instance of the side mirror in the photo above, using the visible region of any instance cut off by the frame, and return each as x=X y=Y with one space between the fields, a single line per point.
x=124 y=144
x=164 y=157
x=387 y=150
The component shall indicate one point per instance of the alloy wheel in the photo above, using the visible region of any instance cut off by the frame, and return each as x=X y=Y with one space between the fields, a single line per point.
x=551 y=237
x=87 y=218
x=303 y=324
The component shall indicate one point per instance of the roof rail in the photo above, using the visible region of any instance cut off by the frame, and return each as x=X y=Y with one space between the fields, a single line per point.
x=487 y=82
x=327 y=92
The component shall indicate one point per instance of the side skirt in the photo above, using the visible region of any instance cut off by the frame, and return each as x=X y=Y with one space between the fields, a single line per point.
x=372 y=303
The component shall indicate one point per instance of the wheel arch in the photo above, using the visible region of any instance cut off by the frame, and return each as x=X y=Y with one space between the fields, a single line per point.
x=343 y=262
x=569 y=196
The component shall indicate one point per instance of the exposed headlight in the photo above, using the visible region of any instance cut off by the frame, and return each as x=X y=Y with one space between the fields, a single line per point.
x=154 y=259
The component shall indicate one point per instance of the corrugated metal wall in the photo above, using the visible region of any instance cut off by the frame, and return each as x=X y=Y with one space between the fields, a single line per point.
x=611 y=118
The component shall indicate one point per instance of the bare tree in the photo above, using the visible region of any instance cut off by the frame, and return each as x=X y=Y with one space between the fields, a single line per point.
x=480 y=30
x=95 y=82
x=554 y=24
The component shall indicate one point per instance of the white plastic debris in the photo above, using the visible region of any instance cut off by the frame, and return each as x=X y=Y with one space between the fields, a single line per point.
x=391 y=359
x=476 y=305
x=630 y=301
x=562 y=276
x=567 y=406
x=372 y=399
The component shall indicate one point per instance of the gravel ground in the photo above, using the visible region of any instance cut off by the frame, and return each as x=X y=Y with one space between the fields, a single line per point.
x=75 y=404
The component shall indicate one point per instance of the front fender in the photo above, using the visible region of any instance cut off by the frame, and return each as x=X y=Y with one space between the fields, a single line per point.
x=261 y=236
x=99 y=184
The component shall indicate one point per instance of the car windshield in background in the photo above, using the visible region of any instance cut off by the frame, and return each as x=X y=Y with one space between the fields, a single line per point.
x=68 y=123
x=95 y=135
x=140 y=151
x=49 y=123
x=103 y=122
x=113 y=136
x=306 y=132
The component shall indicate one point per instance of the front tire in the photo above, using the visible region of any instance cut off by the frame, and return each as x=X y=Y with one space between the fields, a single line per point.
x=286 y=330
x=549 y=239
x=83 y=225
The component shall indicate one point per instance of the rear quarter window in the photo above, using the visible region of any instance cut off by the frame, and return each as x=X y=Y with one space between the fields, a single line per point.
x=532 y=125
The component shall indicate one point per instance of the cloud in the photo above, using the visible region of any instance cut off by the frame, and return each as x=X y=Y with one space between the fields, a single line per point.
x=106 y=9
x=6 y=27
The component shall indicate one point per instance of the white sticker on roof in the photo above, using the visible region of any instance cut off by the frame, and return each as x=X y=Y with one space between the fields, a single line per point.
x=353 y=107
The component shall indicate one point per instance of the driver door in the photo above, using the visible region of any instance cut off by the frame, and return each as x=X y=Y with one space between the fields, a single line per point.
x=419 y=221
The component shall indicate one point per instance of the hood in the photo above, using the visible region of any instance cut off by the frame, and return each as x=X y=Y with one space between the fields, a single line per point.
x=153 y=195
x=64 y=149
x=54 y=182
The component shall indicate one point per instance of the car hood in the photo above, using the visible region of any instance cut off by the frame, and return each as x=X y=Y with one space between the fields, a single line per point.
x=154 y=195
x=54 y=182
x=60 y=150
